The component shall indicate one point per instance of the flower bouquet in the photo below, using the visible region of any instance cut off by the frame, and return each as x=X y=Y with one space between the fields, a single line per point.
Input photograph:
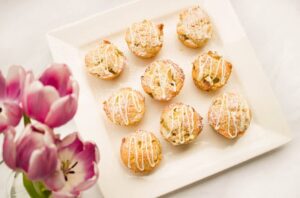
x=51 y=165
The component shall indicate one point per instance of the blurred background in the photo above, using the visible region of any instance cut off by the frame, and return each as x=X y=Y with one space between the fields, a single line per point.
x=273 y=28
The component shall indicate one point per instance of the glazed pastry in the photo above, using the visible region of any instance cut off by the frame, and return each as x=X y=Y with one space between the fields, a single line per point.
x=211 y=71
x=229 y=115
x=144 y=39
x=125 y=107
x=194 y=28
x=162 y=80
x=180 y=124
x=141 y=152
x=106 y=61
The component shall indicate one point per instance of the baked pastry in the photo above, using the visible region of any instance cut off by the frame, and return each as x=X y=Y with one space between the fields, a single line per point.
x=229 y=115
x=180 y=124
x=145 y=39
x=194 y=28
x=141 y=152
x=105 y=61
x=125 y=107
x=162 y=80
x=211 y=71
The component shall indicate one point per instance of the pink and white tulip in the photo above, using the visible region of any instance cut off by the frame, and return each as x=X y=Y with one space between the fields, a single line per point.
x=33 y=152
x=11 y=90
x=53 y=98
x=77 y=169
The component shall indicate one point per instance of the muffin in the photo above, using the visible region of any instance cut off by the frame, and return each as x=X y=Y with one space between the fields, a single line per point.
x=144 y=39
x=194 y=28
x=180 y=124
x=105 y=61
x=210 y=71
x=141 y=152
x=162 y=80
x=229 y=115
x=125 y=107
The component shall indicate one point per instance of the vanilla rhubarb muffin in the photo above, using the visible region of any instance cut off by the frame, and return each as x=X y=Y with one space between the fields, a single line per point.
x=210 y=71
x=180 y=124
x=145 y=39
x=105 y=61
x=229 y=115
x=194 y=28
x=162 y=80
x=141 y=152
x=125 y=107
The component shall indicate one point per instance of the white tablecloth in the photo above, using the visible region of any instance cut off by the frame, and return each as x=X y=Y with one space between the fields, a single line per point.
x=273 y=28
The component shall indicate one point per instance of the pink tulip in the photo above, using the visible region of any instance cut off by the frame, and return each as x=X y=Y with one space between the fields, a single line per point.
x=77 y=170
x=52 y=99
x=33 y=152
x=11 y=90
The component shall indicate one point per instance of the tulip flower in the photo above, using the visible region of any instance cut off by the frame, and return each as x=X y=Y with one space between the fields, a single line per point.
x=11 y=90
x=53 y=98
x=77 y=169
x=34 y=152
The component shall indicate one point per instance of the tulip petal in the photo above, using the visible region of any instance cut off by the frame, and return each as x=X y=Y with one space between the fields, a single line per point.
x=42 y=163
x=62 y=110
x=3 y=122
x=86 y=160
x=55 y=181
x=90 y=182
x=28 y=80
x=13 y=113
x=34 y=137
x=58 y=76
x=26 y=144
x=80 y=159
x=73 y=87
x=70 y=146
x=48 y=134
x=2 y=86
x=15 y=82
x=85 y=170
x=38 y=100
x=9 y=148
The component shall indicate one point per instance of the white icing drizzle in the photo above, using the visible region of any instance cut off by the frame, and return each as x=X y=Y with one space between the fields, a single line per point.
x=146 y=143
x=107 y=53
x=193 y=18
x=163 y=78
x=202 y=64
x=227 y=102
x=185 y=117
x=119 y=105
x=151 y=37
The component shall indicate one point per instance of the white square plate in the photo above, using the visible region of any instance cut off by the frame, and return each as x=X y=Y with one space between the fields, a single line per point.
x=210 y=153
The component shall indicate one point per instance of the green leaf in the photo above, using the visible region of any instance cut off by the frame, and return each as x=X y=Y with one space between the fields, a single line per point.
x=41 y=189
x=29 y=187
x=35 y=189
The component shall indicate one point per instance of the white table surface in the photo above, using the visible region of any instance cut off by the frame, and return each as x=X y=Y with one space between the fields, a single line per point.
x=273 y=27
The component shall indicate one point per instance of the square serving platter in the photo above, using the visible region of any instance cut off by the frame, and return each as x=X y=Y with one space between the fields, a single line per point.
x=210 y=153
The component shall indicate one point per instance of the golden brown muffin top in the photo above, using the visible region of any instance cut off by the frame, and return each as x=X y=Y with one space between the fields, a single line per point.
x=230 y=115
x=141 y=151
x=163 y=79
x=180 y=123
x=194 y=25
x=143 y=37
x=125 y=107
x=105 y=61
x=211 y=71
